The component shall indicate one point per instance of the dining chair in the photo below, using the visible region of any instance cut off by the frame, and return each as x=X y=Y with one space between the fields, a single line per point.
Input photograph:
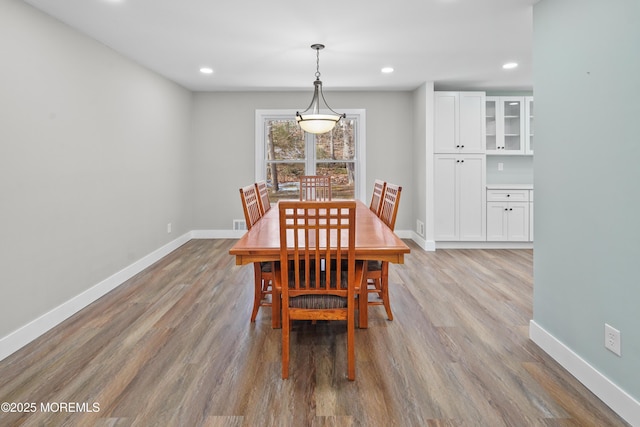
x=390 y=204
x=315 y=187
x=318 y=274
x=262 y=271
x=378 y=271
x=376 y=197
x=263 y=197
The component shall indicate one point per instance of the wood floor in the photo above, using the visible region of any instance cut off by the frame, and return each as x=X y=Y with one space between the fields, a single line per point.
x=173 y=346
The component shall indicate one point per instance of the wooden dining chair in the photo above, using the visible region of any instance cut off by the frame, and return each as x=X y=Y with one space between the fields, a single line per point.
x=263 y=197
x=377 y=282
x=389 y=205
x=376 y=197
x=262 y=271
x=315 y=187
x=318 y=274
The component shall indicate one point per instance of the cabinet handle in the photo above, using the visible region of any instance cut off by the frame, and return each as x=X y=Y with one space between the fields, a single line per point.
x=508 y=195
x=510 y=209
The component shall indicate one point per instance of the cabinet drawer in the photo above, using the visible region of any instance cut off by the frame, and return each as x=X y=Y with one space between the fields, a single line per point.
x=507 y=195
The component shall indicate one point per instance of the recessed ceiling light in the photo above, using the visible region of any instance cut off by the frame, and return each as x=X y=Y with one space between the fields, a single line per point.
x=510 y=65
x=387 y=70
x=206 y=70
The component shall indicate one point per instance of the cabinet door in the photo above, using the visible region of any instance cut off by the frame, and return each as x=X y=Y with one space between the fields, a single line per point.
x=471 y=197
x=446 y=122
x=459 y=122
x=491 y=123
x=496 y=221
x=518 y=222
x=472 y=122
x=512 y=124
x=508 y=221
x=445 y=218
x=505 y=125
x=528 y=113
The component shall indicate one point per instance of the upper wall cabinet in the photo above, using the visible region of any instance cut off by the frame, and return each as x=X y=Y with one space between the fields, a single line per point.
x=459 y=122
x=505 y=124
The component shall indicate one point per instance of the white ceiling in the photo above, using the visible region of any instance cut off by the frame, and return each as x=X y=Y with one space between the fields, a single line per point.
x=265 y=44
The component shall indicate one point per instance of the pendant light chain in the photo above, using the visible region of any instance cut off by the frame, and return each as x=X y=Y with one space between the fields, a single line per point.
x=317 y=63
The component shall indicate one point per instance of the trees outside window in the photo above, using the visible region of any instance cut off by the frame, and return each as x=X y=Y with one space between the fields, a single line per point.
x=284 y=152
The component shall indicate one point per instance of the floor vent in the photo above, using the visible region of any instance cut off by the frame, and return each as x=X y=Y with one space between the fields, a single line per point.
x=239 y=224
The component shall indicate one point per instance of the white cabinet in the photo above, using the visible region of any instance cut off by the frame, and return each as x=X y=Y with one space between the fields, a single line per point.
x=505 y=125
x=528 y=125
x=459 y=122
x=508 y=212
x=460 y=197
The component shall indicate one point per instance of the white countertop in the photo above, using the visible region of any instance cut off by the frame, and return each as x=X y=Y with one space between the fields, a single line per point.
x=509 y=186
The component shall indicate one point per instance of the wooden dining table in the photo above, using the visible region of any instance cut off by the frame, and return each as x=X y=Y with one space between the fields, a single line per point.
x=374 y=241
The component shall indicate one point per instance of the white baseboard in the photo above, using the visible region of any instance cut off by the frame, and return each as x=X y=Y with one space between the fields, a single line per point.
x=616 y=398
x=217 y=234
x=484 y=245
x=427 y=245
x=32 y=330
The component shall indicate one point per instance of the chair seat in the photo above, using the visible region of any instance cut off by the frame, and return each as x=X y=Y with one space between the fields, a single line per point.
x=374 y=266
x=320 y=302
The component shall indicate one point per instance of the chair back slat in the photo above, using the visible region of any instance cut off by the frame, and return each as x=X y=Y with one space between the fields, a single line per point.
x=263 y=197
x=390 y=203
x=315 y=187
x=376 y=197
x=250 y=205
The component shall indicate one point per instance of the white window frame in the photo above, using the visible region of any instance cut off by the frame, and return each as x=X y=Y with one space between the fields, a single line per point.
x=360 y=142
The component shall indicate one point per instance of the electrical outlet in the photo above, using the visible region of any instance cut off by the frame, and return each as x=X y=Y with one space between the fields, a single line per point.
x=169 y=228
x=500 y=166
x=612 y=339
x=420 y=227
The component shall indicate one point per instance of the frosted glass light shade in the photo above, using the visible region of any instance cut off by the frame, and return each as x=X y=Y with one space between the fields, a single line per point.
x=317 y=123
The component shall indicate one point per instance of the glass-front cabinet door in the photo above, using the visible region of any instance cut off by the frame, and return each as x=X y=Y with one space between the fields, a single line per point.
x=513 y=129
x=491 y=125
x=505 y=125
x=528 y=108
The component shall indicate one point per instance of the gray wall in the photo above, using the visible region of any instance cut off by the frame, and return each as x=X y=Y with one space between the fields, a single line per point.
x=224 y=144
x=94 y=162
x=587 y=205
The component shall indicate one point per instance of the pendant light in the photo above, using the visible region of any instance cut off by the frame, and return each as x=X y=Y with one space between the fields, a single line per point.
x=312 y=120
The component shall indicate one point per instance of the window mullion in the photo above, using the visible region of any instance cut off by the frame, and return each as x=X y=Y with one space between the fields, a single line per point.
x=310 y=147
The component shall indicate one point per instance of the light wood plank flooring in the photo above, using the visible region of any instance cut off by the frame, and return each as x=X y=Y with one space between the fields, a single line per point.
x=173 y=346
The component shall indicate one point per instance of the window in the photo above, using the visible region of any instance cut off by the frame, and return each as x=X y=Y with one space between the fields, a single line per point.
x=284 y=152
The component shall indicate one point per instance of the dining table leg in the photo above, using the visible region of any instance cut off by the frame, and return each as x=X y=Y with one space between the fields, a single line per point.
x=276 y=310
x=363 y=302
